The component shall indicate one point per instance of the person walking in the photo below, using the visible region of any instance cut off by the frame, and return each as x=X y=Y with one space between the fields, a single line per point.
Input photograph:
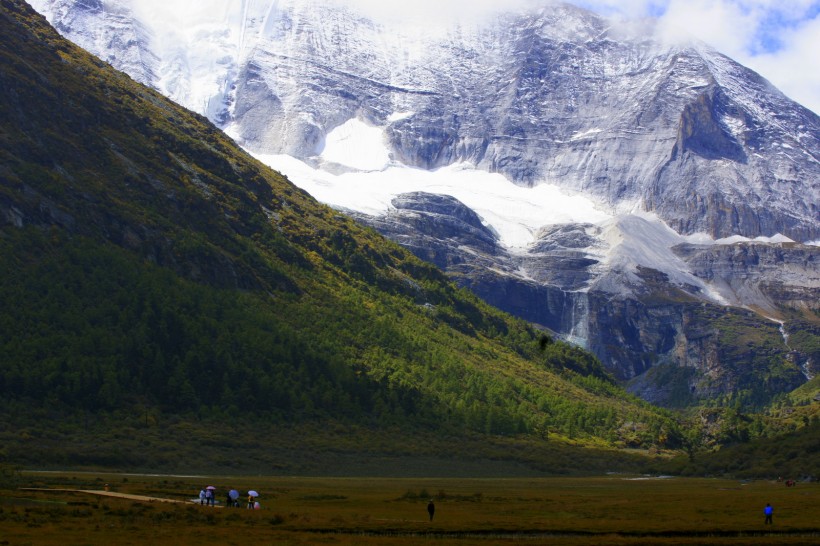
x=431 y=509
x=201 y=496
x=768 y=511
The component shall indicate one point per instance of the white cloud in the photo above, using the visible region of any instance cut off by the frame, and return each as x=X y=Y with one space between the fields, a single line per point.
x=721 y=24
x=434 y=11
x=777 y=39
x=795 y=68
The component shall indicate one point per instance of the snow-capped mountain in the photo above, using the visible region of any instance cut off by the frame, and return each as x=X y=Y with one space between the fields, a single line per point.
x=592 y=153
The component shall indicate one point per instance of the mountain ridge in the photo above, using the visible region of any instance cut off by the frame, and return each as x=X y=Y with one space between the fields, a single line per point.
x=686 y=137
x=539 y=80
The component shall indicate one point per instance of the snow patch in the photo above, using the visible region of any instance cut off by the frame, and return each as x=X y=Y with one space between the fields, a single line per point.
x=643 y=239
x=398 y=116
x=699 y=239
x=737 y=239
x=706 y=239
x=356 y=145
x=584 y=134
x=735 y=125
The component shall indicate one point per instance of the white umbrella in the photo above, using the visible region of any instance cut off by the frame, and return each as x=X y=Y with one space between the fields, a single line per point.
x=253 y=493
x=211 y=487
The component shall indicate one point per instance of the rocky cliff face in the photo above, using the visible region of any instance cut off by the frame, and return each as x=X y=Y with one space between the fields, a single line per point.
x=110 y=31
x=667 y=340
x=669 y=140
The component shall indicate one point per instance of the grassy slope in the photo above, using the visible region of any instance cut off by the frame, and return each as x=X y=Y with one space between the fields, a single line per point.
x=155 y=275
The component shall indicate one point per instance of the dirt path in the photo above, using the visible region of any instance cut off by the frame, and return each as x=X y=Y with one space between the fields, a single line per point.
x=103 y=493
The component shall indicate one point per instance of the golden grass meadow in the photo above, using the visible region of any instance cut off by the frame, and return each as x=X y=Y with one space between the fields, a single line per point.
x=47 y=509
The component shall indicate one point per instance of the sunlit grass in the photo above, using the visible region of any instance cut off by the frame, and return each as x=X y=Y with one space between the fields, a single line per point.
x=603 y=510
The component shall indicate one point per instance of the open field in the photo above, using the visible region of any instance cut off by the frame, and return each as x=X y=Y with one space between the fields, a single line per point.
x=614 y=509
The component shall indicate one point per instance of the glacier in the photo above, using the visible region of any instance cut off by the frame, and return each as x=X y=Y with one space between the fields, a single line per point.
x=371 y=180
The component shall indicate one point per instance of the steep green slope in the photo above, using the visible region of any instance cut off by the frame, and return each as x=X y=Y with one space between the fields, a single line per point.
x=151 y=269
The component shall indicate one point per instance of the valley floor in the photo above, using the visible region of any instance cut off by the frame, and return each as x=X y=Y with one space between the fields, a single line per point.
x=613 y=509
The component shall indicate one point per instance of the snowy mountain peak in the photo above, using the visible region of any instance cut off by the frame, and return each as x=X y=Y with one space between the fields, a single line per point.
x=593 y=153
x=554 y=95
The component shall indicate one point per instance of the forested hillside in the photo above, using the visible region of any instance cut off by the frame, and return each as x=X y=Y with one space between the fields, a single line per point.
x=153 y=275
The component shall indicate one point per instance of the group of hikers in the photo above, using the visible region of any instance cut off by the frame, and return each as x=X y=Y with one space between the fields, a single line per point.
x=207 y=497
